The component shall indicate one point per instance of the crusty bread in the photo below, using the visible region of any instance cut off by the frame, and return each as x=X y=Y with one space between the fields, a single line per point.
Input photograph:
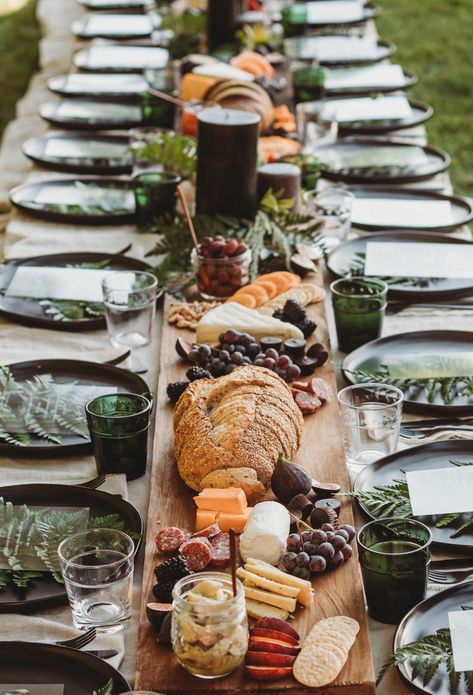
x=230 y=431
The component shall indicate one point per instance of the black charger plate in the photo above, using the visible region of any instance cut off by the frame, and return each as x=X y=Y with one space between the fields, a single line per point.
x=114 y=157
x=47 y=592
x=444 y=288
x=123 y=58
x=35 y=662
x=425 y=619
x=123 y=86
x=67 y=371
x=420 y=114
x=91 y=114
x=298 y=48
x=135 y=5
x=434 y=455
x=372 y=355
x=410 y=79
x=28 y=311
x=115 y=25
x=370 y=12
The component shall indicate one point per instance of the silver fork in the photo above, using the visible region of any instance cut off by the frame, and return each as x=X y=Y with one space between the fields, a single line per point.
x=80 y=641
x=450 y=576
x=94 y=483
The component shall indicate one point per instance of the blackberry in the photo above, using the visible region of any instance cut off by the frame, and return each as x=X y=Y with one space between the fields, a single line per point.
x=176 y=389
x=279 y=314
x=307 y=327
x=195 y=373
x=171 y=570
x=162 y=592
x=294 y=311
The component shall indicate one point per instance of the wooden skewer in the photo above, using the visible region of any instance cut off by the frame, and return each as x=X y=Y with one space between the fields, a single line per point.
x=187 y=215
x=166 y=97
x=233 y=560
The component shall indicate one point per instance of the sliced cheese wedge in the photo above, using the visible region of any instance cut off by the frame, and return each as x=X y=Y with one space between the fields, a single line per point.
x=263 y=569
x=256 y=609
x=251 y=579
x=284 y=602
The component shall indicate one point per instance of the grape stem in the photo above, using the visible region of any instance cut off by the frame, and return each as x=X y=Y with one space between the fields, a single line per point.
x=299 y=521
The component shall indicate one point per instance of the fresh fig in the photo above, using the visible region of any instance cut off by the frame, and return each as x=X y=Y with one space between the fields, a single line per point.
x=156 y=612
x=289 y=480
x=302 y=264
x=183 y=347
x=314 y=253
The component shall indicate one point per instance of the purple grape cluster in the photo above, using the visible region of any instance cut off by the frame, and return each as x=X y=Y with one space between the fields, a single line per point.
x=236 y=349
x=314 y=552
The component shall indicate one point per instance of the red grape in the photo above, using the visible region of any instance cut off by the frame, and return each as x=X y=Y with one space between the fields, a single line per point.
x=338 y=542
x=350 y=530
x=319 y=536
x=317 y=564
x=347 y=551
x=326 y=550
x=284 y=361
x=294 y=542
x=302 y=560
x=336 y=561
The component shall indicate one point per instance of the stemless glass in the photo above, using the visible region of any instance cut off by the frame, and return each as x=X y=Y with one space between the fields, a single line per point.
x=130 y=307
x=155 y=195
x=359 y=305
x=97 y=567
x=394 y=557
x=371 y=417
x=316 y=125
x=333 y=205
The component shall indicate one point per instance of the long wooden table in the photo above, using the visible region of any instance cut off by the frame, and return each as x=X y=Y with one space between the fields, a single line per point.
x=337 y=593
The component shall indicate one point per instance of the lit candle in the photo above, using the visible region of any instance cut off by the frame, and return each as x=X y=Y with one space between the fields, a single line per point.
x=280 y=177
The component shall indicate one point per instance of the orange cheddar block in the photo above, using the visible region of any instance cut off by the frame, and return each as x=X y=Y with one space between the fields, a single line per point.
x=204 y=518
x=231 y=500
x=226 y=521
x=195 y=86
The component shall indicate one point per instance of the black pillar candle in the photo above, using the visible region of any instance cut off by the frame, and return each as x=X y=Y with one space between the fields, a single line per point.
x=222 y=22
x=227 y=145
x=283 y=178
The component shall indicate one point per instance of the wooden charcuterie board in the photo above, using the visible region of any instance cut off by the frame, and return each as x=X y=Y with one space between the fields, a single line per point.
x=171 y=504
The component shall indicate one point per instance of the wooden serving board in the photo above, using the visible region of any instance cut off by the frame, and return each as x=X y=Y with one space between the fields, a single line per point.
x=171 y=504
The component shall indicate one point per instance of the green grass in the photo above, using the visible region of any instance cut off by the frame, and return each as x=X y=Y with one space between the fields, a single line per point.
x=19 y=37
x=434 y=39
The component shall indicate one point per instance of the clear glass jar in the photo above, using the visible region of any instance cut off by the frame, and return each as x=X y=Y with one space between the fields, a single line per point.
x=209 y=637
x=219 y=278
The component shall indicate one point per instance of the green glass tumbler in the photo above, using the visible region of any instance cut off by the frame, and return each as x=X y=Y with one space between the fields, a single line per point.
x=155 y=195
x=394 y=556
x=359 y=305
x=118 y=426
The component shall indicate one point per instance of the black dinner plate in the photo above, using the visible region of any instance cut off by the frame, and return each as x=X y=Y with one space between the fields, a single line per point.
x=98 y=201
x=134 y=5
x=91 y=114
x=370 y=11
x=410 y=79
x=303 y=48
x=35 y=662
x=108 y=25
x=462 y=210
x=333 y=169
x=127 y=86
x=342 y=256
x=420 y=113
x=119 y=58
x=46 y=592
x=81 y=153
x=372 y=355
x=425 y=619
x=30 y=313
x=434 y=455
x=79 y=373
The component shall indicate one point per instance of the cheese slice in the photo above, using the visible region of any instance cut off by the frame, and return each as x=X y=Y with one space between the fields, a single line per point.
x=256 y=609
x=195 y=86
x=284 y=602
x=204 y=518
x=250 y=579
x=231 y=500
x=239 y=317
x=237 y=522
x=306 y=593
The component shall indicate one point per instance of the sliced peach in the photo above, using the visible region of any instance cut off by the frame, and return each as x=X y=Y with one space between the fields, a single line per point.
x=268 y=673
x=277 y=624
x=282 y=284
x=244 y=299
x=269 y=659
x=258 y=292
x=265 y=644
x=274 y=634
x=268 y=286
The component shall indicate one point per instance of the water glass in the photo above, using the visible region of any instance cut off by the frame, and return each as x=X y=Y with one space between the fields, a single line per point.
x=130 y=307
x=97 y=568
x=155 y=195
x=147 y=147
x=371 y=417
x=394 y=556
x=333 y=205
x=359 y=305
x=316 y=125
x=118 y=427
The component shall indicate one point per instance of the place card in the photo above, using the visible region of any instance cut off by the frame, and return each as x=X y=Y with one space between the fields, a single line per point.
x=370 y=109
x=75 y=284
x=118 y=24
x=419 y=259
x=461 y=634
x=330 y=48
x=76 y=82
x=139 y=57
x=426 y=365
x=441 y=490
x=404 y=156
x=87 y=110
x=371 y=76
x=31 y=689
x=334 y=11
x=402 y=212
x=61 y=148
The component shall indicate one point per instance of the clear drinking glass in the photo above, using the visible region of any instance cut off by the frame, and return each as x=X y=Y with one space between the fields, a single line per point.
x=147 y=147
x=333 y=205
x=97 y=567
x=394 y=556
x=317 y=125
x=371 y=417
x=130 y=308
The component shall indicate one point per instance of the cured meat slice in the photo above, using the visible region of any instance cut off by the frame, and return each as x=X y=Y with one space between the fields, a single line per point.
x=170 y=539
x=321 y=389
x=196 y=553
x=207 y=532
x=307 y=403
x=220 y=550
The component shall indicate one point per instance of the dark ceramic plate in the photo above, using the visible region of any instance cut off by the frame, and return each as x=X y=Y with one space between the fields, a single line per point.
x=436 y=455
x=370 y=11
x=461 y=209
x=420 y=113
x=425 y=619
x=116 y=4
x=91 y=114
x=108 y=25
x=29 y=312
x=118 y=58
x=435 y=161
x=344 y=255
x=91 y=201
x=34 y=662
x=372 y=355
x=82 y=374
x=46 y=592
x=81 y=153
x=410 y=79
x=304 y=48
x=117 y=86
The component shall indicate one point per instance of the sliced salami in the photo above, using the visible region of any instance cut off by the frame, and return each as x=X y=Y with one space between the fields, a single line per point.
x=170 y=539
x=207 y=532
x=196 y=553
x=220 y=550
x=307 y=403
x=321 y=389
